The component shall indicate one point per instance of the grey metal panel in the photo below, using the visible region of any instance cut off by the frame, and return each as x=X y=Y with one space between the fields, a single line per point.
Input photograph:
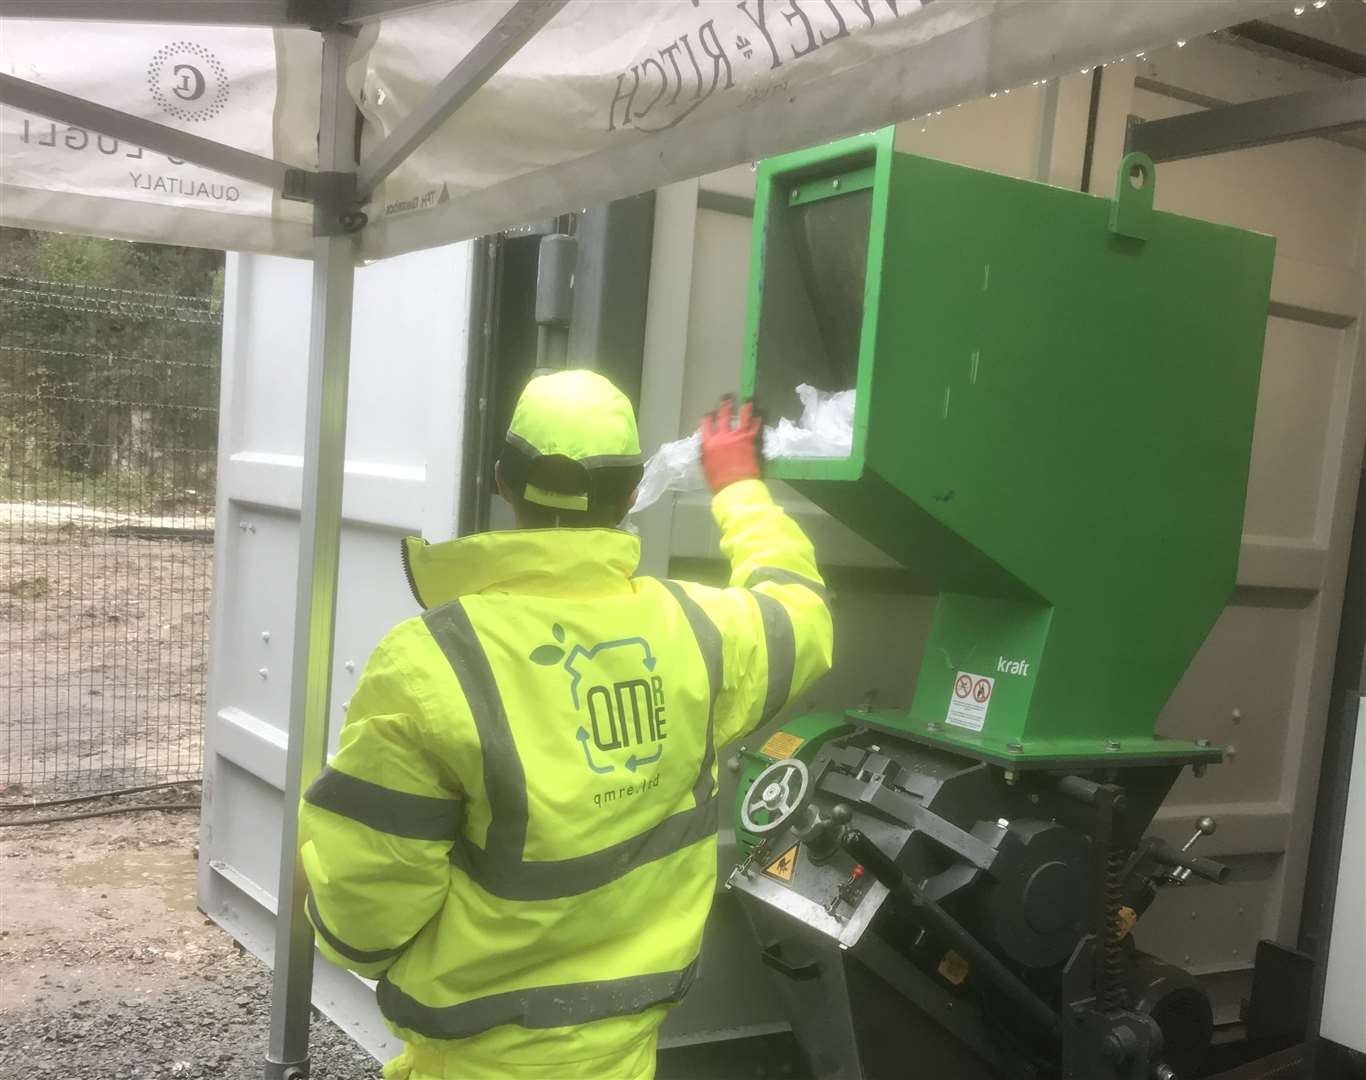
x=660 y=416
x=611 y=290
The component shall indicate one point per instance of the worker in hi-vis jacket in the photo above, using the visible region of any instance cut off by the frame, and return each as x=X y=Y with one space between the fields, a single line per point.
x=517 y=836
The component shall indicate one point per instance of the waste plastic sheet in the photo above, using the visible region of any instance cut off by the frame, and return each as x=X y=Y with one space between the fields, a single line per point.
x=824 y=430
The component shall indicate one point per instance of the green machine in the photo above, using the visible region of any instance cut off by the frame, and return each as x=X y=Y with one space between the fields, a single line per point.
x=1053 y=425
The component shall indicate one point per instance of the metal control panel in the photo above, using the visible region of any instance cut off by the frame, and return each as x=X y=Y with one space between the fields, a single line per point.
x=797 y=868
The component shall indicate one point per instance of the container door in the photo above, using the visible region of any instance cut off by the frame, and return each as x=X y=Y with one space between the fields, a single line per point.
x=409 y=341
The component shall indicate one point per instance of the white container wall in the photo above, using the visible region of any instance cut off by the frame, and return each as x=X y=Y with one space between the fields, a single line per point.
x=408 y=364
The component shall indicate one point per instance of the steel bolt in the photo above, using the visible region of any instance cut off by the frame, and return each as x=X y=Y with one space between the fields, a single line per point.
x=933 y=725
x=1112 y=744
x=1164 y=1072
x=350 y=665
x=1237 y=716
x=265 y=636
x=263 y=672
x=1014 y=747
x=1202 y=742
x=733 y=764
x=835 y=183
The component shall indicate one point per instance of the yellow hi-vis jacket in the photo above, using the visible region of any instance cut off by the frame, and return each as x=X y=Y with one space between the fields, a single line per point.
x=517 y=836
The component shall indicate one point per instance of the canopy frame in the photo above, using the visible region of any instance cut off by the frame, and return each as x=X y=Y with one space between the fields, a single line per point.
x=337 y=218
x=302 y=14
x=491 y=52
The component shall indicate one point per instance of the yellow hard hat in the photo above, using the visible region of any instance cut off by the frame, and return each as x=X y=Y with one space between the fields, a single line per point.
x=578 y=415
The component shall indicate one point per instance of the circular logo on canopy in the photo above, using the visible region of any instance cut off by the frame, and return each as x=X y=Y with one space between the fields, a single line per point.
x=187 y=81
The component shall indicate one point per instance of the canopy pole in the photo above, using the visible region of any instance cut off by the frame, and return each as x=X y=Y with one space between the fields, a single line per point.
x=329 y=356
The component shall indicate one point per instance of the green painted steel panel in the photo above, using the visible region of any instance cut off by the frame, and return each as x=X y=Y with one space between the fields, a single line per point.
x=1056 y=395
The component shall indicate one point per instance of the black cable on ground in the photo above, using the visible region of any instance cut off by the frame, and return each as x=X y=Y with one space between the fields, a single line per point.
x=101 y=813
x=102 y=795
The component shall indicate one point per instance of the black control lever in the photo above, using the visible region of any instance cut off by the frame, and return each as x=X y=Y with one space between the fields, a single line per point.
x=1166 y=855
x=981 y=959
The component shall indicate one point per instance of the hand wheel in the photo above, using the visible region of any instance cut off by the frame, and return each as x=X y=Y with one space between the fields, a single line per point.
x=781 y=789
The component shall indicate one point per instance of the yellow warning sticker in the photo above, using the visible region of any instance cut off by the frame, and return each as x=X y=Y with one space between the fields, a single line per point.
x=781 y=745
x=954 y=968
x=1127 y=917
x=785 y=865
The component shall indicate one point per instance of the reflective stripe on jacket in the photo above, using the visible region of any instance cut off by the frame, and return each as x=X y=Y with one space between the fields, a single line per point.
x=517 y=835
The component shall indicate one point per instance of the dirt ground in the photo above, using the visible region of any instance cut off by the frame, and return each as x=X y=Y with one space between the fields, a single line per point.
x=103 y=648
x=108 y=971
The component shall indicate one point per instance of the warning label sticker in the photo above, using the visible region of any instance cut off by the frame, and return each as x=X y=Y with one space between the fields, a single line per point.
x=781 y=745
x=970 y=700
x=785 y=865
x=954 y=968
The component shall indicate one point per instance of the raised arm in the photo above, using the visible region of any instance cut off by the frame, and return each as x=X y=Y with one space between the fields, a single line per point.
x=774 y=619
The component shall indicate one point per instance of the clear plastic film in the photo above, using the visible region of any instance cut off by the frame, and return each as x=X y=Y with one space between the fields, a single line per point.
x=825 y=430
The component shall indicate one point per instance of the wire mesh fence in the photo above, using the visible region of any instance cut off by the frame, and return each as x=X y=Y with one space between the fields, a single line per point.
x=108 y=434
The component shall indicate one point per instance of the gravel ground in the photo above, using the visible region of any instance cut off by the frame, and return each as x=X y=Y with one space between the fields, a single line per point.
x=108 y=971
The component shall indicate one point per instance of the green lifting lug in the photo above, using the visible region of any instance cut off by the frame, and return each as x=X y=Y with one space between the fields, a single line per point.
x=1132 y=211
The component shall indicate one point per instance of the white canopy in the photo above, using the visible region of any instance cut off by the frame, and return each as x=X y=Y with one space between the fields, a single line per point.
x=219 y=128
x=604 y=98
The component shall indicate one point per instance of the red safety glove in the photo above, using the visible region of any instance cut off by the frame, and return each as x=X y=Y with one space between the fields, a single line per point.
x=731 y=449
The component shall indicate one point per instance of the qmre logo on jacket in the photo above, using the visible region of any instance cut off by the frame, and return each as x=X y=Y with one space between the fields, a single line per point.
x=622 y=719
